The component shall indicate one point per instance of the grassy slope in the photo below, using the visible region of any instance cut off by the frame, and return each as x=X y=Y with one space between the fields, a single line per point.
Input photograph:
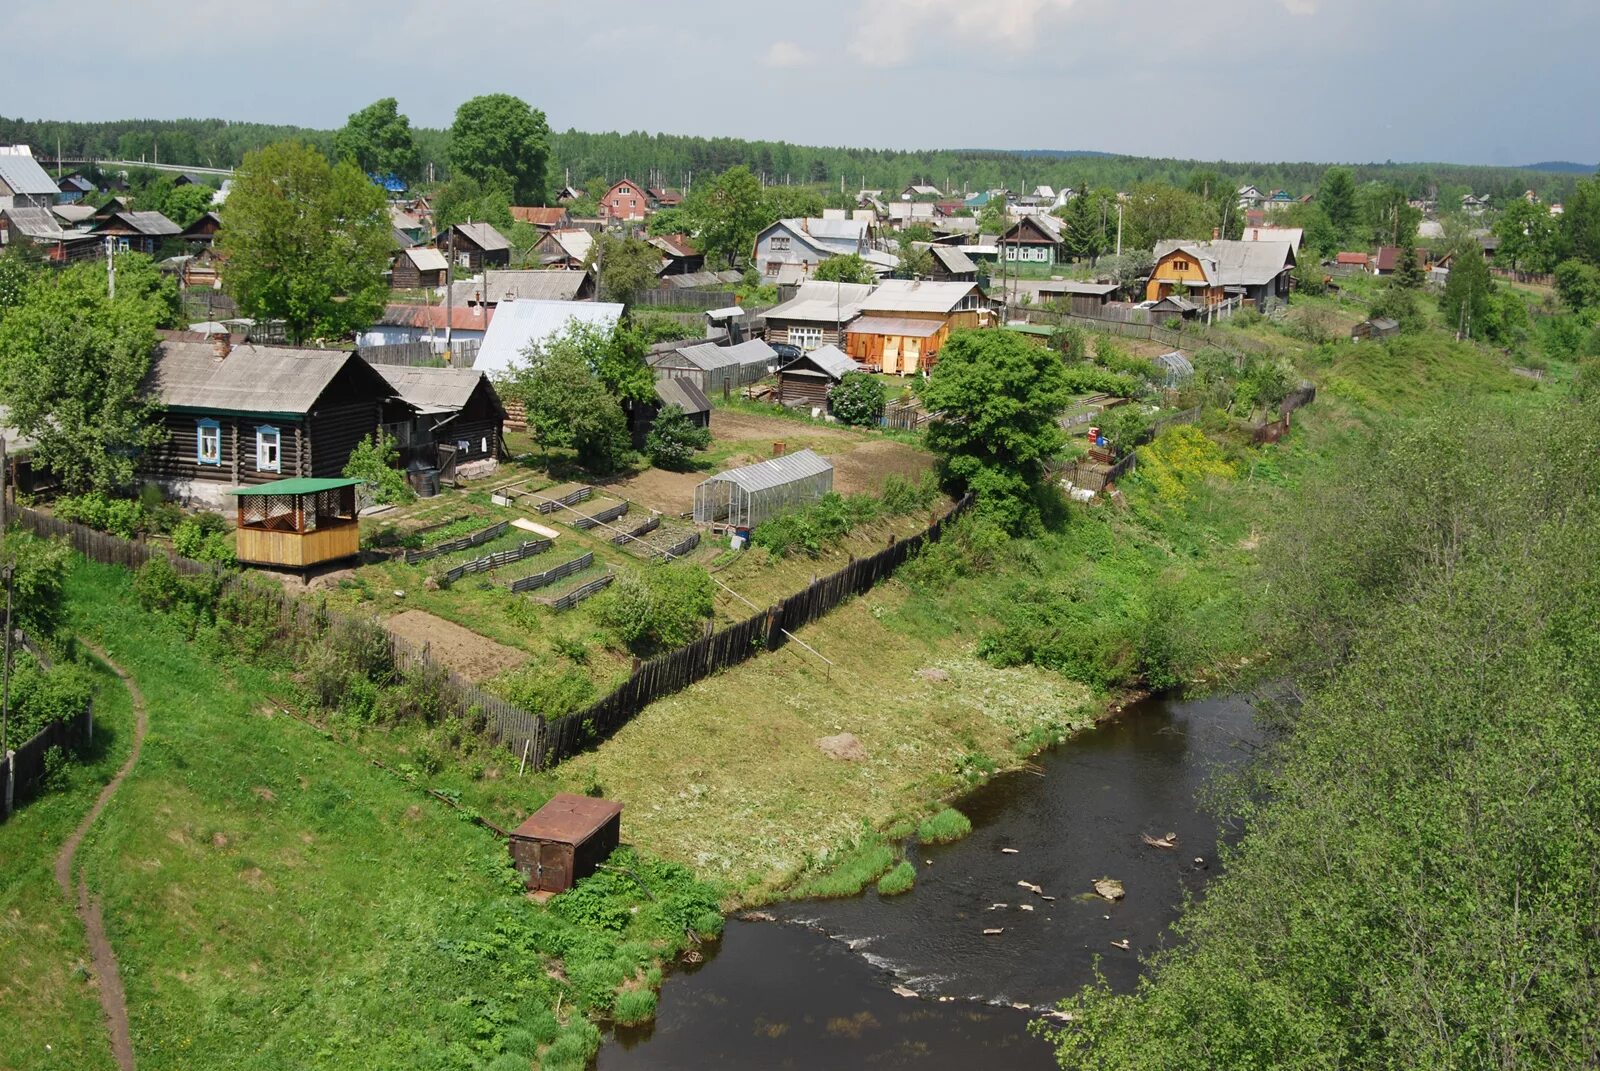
x=46 y=996
x=274 y=899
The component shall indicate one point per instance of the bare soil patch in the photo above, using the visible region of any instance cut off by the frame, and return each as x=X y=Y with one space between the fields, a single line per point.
x=671 y=493
x=473 y=656
x=869 y=464
x=731 y=425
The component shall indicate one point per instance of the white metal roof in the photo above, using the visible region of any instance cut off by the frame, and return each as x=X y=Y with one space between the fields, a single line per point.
x=427 y=258
x=775 y=472
x=22 y=174
x=516 y=324
x=708 y=357
x=916 y=295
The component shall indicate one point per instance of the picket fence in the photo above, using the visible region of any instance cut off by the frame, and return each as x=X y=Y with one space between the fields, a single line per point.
x=466 y=542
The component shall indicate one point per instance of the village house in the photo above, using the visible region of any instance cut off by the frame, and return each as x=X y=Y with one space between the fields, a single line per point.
x=41 y=228
x=23 y=183
x=400 y=324
x=817 y=314
x=1249 y=197
x=545 y=219
x=624 y=202
x=903 y=213
x=664 y=196
x=1209 y=273
x=139 y=232
x=904 y=323
x=73 y=187
x=950 y=264
x=242 y=415
x=475 y=246
x=74 y=214
x=1352 y=260
x=202 y=233
x=808 y=242
x=1033 y=239
x=678 y=254
x=409 y=227
x=808 y=379
x=921 y=192
x=1080 y=298
x=417 y=267
x=1390 y=257
x=957 y=304
x=494 y=287
x=565 y=247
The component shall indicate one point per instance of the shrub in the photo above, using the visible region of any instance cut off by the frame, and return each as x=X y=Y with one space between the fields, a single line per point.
x=41 y=697
x=674 y=438
x=202 y=541
x=634 y=1006
x=40 y=570
x=898 y=880
x=120 y=516
x=1180 y=458
x=657 y=608
x=374 y=462
x=858 y=399
x=949 y=824
x=572 y=1050
x=809 y=528
x=1092 y=379
x=900 y=496
x=551 y=694
x=850 y=873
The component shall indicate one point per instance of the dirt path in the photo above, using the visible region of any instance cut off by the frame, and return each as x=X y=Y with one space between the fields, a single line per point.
x=100 y=954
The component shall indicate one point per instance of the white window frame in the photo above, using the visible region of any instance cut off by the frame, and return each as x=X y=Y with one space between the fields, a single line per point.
x=269 y=449
x=208 y=429
x=807 y=338
x=780 y=241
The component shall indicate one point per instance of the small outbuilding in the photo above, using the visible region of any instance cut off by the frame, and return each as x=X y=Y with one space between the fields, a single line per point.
x=808 y=379
x=297 y=523
x=565 y=841
x=1377 y=327
x=744 y=498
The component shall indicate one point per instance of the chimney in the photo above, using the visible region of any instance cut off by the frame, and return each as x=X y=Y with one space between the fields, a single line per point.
x=221 y=345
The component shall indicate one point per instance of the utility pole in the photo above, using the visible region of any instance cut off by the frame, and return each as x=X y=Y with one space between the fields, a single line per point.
x=1119 y=228
x=449 y=293
x=111 y=268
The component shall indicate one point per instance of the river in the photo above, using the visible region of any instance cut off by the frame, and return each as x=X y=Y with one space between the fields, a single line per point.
x=815 y=987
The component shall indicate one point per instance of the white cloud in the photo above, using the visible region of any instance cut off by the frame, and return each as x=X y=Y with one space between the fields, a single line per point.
x=888 y=31
x=786 y=54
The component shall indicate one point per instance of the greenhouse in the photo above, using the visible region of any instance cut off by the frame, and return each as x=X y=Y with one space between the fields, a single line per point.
x=744 y=498
x=1177 y=368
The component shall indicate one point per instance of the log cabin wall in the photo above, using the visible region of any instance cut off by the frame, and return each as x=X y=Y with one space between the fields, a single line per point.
x=178 y=458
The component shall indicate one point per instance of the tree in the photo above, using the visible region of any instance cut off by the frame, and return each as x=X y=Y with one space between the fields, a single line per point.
x=464 y=199
x=1337 y=196
x=1408 y=276
x=673 y=439
x=1319 y=238
x=1156 y=211
x=572 y=386
x=19 y=266
x=71 y=364
x=305 y=243
x=845 y=268
x=667 y=221
x=792 y=202
x=500 y=141
x=1527 y=236
x=1467 y=303
x=378 y=140
x=1580 y=223
x=998 y=395
x=858 y=399
x=727 y=213
x=915 y=262
x=1386 y=214
x=1578 y=284
x=616 y=357
x=375 y=461
x=185 y=204
x=993 y=217
x=915 y=232
x=625 y=266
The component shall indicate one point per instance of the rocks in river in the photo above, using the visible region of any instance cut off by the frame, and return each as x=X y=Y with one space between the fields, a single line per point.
x=1199 y=863
x=1109 y=889
x=994 y=931
x=845 y=747
x=903 y=991
x=1122 y=944
x=1031 y=887
x=1008 y=851
x=1025 y=907
x=1168 y=841
x=998 y=907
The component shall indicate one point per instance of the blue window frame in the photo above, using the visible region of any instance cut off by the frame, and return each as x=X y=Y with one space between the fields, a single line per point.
x=208 y=442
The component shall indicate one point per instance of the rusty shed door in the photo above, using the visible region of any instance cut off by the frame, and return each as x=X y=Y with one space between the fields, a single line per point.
x=555 y=867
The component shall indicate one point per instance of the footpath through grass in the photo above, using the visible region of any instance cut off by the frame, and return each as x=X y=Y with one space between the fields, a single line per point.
x=49 y=1012
x=276 y=900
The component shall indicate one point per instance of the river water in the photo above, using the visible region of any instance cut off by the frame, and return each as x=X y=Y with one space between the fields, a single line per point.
x=814 y=988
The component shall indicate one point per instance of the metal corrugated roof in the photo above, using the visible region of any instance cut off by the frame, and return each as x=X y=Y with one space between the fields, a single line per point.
x=23 y=175
x=432 y=390
x=916 y=295
x=152 y=224
x=498 y=286
x=895 y=325
x=954 y=260
x=1229 y=263
x=822 y=302
x=830 y=359
x=484 y=236
x=35 y=222
x=684 y=394
x=1072 y=286
x=568 y=819
x=775 y=472
x=427 y=258
x=708 y=357
x=517 y=324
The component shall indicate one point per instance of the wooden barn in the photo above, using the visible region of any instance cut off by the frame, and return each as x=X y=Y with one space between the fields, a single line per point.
x=895 y=344
x=202 y=233
x=447 y=416
x=475 y=246
x=808 y=379
x=420 y=266
x=565 y=841
x=1080 y=298
x=243 y=415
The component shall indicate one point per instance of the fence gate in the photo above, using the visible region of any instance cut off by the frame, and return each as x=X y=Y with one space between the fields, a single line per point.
x=447 y=463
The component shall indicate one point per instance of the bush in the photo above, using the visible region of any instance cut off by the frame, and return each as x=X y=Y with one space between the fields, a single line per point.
x=1180 y=458
x=674 y=438
x=858 y=399
x=1092 y=379
x=120 y=516
x=657 y=608
x=949 y=824
x=634 y=1006
x=900 y=496
x=809 y=528
x=550 y=694
x=899 y=880
x=41 y=697
x=201 y=539
x=374 y=462
x=40 y=570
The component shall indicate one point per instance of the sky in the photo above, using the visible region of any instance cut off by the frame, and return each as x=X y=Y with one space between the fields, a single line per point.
x=1465 y=81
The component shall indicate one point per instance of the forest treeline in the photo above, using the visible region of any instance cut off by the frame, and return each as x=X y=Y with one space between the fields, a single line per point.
x=678 y=160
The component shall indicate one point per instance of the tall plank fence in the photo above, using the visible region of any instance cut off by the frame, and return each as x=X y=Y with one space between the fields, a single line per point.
x=672 y=297
x=547 y=740
x=27 y=760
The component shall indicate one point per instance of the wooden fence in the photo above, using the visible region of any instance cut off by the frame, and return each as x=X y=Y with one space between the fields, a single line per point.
x=672 y=672
x=678 y=549
x=494 y=561
x=464 y=353
x=579 y=593
x=550 y=505
x=554 y=573
x=27 y=766
x=466 y=542
x=1191 y=333
x=644 y=529
x=1533 y=278
x=671 y=297
x=610 y=513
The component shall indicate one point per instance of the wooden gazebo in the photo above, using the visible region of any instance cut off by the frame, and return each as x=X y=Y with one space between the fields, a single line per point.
x=298 y=522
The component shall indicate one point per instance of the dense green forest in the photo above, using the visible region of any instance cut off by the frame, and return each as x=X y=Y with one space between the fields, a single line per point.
x=680 y=160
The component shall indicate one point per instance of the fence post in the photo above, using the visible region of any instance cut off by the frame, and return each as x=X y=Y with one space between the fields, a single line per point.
x=10 y=761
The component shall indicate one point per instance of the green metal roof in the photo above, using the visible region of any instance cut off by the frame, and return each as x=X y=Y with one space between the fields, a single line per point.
x=302 y=485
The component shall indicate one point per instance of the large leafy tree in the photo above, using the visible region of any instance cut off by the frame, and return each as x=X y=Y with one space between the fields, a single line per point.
x=727 y=213
x=1527 y=234
x=567 y=404
x=998 y=395
x=1156 y=211
x=845 y=268
x=464 y=199
x=1337 y=196
x=378 y=140
x=71 y=363
x=1468 y=300
x=1386 y=215
x=1580 y=223
x=499 y=140
x=625 y=266
x=305 y=243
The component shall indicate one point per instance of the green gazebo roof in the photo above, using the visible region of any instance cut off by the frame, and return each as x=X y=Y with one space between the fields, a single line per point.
x=301 y=485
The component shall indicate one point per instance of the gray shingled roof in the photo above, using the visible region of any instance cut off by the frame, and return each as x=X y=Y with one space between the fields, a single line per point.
x=684 y=394
x=432 y=390
x=251 y=379
x=150 y=224
x=498 y=286
x=36 y=222
x=22 y=174
x=708 y=357
x=831 y=360
x=1229 y=263
x=484 y=236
